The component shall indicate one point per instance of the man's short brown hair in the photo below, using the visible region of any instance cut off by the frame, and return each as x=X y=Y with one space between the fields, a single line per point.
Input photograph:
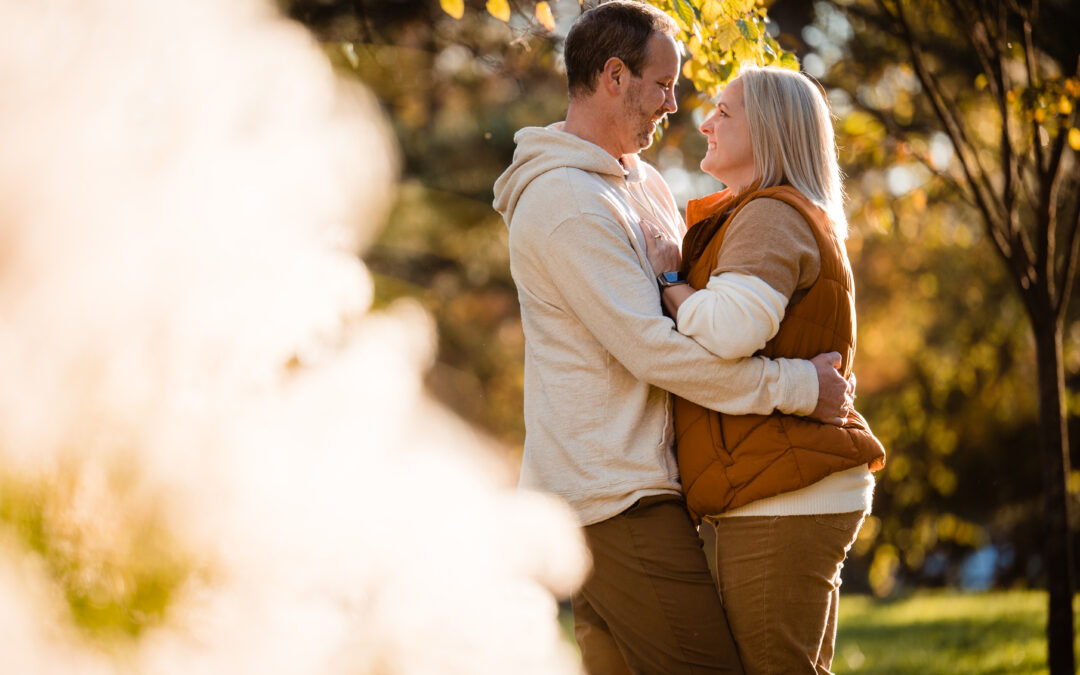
x=620 y=28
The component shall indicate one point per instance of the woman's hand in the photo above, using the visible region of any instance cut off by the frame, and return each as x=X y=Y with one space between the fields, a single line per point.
x=662 y=250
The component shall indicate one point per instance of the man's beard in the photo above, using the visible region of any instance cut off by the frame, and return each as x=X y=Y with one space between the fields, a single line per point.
x=646 y=135
x=642 y=119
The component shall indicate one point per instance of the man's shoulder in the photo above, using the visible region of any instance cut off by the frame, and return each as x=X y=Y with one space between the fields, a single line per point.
x=565 y=193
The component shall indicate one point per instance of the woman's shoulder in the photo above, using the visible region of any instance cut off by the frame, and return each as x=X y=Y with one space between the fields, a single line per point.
x=770 y=207
x=769 y=217
x=770 y=239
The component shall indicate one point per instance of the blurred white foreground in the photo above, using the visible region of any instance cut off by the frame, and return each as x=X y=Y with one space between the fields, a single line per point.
x=191 y=381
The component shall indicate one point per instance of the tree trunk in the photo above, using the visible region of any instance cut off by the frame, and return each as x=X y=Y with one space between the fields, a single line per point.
x=1054 y=441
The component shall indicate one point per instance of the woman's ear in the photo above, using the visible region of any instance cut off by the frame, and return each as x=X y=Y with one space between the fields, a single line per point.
x=614 y=74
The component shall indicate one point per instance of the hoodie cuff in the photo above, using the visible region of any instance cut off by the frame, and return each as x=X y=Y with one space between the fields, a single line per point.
x=798 y=387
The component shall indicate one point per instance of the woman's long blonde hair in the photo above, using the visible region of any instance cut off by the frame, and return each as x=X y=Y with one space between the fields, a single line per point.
x=792 y=136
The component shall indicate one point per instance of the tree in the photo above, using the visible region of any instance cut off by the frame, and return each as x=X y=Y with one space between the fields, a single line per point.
x=1000 y=79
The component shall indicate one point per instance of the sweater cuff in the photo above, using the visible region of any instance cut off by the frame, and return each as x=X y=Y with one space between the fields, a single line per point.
x=734 y=316
x=798 y=387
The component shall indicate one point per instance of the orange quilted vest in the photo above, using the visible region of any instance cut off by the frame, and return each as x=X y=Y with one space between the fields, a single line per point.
x=727 y=461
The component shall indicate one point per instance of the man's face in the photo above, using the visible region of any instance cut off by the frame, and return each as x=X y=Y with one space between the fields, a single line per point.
x=647 y=99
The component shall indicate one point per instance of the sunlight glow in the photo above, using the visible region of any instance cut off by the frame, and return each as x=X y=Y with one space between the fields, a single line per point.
x=197 y=401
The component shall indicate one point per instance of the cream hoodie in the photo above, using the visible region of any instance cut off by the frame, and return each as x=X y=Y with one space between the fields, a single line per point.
x=600 y=356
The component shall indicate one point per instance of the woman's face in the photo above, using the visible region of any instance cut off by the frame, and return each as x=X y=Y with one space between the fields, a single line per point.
x=730 y=157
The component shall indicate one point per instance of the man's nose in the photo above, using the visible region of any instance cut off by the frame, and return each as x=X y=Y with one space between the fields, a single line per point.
x=670 y=105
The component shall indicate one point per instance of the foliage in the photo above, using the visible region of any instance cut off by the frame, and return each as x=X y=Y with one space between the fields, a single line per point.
x=455 y=93
x=722 y=35
x=719 y=35
x=500 y=9
x=112 y=560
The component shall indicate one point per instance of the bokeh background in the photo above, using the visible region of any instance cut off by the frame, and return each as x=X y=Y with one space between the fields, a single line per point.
x=262 y=356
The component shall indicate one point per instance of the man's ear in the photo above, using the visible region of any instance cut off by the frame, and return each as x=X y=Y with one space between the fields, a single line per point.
x=613 y=76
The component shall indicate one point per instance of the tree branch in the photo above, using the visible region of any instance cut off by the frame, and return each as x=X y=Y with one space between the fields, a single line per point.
x=1033 y=81
x=1072 y=241
x=1068 y=272
x=897 y=131
x=1012 y=250
x=991 y=52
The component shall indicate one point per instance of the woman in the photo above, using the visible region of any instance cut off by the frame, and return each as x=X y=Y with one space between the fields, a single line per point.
x=767 y=273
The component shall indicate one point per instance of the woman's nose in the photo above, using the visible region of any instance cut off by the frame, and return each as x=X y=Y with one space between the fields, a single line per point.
x=706 y=125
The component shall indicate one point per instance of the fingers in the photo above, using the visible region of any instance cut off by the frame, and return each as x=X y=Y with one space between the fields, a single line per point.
x=653 y=231
x=650 y=229
x=835 y=396
x=661 y=247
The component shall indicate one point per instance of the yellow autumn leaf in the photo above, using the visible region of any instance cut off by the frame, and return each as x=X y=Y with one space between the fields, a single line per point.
x=712 y=11
x=455 y=8
x=543 y=15
x=500 y=9
x=1074 y=139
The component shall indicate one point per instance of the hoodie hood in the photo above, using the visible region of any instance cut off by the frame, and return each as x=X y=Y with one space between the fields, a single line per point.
x=543 y=149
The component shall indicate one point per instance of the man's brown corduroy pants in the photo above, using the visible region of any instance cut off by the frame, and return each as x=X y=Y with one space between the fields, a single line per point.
x=650 y=605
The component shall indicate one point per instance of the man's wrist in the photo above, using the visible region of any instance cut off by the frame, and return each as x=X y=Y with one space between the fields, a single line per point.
x=800 y=386
x=666 y=279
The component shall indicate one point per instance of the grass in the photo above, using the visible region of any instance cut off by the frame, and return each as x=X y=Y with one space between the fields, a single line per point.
x=943 y=632
x=937 y=633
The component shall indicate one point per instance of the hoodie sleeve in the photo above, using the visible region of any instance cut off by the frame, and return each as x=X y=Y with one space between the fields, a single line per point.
x=598 y=274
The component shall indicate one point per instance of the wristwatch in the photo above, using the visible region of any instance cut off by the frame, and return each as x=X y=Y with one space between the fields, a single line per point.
x=666 y=279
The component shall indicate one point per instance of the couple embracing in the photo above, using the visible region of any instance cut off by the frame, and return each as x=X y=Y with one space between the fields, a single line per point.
x=677 y=374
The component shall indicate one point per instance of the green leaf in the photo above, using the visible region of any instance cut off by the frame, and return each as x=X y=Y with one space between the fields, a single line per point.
x=744 y=50
x=686 y=12
x=711 y=12
x=724 y=71
x=748 y=30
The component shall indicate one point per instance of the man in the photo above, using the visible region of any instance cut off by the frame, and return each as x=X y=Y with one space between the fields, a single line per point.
x=600 y=354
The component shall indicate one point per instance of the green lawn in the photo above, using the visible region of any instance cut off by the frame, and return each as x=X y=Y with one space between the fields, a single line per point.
x=938 y=633
x=943 y=632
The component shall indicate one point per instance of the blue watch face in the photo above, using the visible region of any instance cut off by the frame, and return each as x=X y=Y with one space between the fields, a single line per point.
x=671 y=277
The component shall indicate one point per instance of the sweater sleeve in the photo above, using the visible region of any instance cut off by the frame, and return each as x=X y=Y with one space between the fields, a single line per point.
x=733 y=316
x=603 y=283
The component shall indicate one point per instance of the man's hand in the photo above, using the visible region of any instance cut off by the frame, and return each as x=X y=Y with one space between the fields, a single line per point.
x=836 y=396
